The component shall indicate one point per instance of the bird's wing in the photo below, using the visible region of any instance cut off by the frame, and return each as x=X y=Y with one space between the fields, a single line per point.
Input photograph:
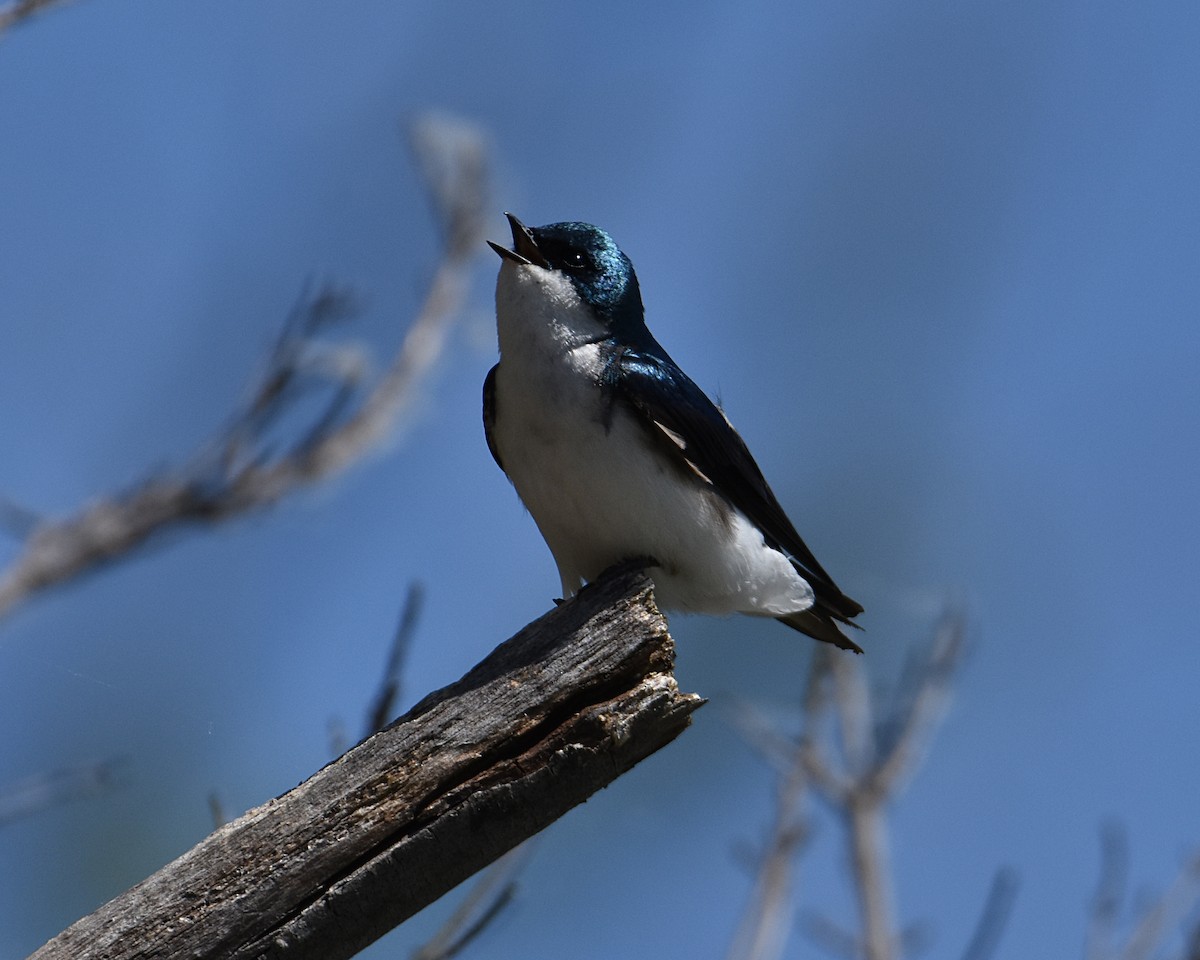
x=672 y=404
x=489 y=414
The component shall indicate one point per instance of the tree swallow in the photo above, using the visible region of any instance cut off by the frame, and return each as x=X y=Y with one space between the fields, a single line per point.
x=619 y=456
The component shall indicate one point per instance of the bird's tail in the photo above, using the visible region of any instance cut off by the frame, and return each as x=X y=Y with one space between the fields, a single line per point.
x=820 y=626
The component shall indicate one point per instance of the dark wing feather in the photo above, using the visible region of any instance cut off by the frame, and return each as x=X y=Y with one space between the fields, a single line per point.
x=664 y=394
x=489 y=414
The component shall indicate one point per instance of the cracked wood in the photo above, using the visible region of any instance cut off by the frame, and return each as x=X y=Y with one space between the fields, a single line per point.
x=552 y=715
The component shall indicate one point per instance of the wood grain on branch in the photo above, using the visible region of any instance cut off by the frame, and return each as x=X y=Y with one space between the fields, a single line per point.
x=552 y=715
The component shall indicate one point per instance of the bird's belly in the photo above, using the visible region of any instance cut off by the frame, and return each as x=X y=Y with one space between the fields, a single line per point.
x=603 y=493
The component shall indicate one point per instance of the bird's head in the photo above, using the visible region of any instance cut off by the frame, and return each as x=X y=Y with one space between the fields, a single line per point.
x=600 y=274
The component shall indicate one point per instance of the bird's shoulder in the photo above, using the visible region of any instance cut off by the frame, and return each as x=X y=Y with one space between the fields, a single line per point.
x=649 y=381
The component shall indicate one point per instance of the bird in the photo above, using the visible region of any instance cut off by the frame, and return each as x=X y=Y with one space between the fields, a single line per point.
x=619 y=457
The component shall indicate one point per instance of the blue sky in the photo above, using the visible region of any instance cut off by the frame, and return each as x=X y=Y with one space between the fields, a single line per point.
x=938 y=260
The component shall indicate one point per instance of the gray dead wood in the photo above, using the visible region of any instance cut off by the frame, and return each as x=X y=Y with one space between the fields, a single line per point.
x=551 y=716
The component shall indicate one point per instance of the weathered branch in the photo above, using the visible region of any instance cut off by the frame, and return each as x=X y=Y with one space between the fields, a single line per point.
x=552 y=715
x=493 y=890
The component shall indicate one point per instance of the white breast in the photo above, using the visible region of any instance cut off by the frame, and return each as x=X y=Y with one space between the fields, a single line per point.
x=605 y=492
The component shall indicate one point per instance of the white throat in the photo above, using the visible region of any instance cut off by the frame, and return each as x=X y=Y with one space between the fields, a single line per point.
x=540 y=311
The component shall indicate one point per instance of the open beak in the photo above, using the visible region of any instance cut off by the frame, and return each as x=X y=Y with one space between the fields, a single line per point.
x=525 y=249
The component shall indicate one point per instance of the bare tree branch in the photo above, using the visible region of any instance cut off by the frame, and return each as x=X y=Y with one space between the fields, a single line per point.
x=1163 y=917
x=1158 y=921
x=1100 y=939
x=858 y=769
x=870 y=863
x=18 y=11
x=764 y=930
x=767 y=920
x=17 y=521
x=44 y=790
x=833 y=783
x=994 y=917
x=925 y=706
x=830 y=937
x=869 y=765
x=855 y=793
x=552 y=715
x=1192 y=951
x=389 y=689
x=855 y=715
x=216 y=810
x=241 y=471
x=764 y=737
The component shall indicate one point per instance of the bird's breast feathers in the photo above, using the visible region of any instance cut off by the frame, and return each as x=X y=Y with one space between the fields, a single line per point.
x=596 y=478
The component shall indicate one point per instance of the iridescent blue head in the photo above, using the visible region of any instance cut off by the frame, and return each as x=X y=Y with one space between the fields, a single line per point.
x=595 y=265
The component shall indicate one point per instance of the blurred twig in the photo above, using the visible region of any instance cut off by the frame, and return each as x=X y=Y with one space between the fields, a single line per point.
x=241 y=470
x=216 y=810
x=14 y=13
x=859 y=765
x=763 y=931
x=1162 y=918
x=1110 y=892
x=492 y=892
x=994 y=916
x=17 y=521
x=832 y=938
x=389 y=688
x=921 y=711
x=44 y=790
x=1158 y=921
x=1192 y=952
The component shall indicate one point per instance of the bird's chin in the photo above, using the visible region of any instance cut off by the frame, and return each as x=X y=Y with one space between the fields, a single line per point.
x=550 y=285
x=544 y=304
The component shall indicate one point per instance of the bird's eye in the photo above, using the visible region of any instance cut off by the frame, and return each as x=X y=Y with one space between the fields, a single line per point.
x=576 y=260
